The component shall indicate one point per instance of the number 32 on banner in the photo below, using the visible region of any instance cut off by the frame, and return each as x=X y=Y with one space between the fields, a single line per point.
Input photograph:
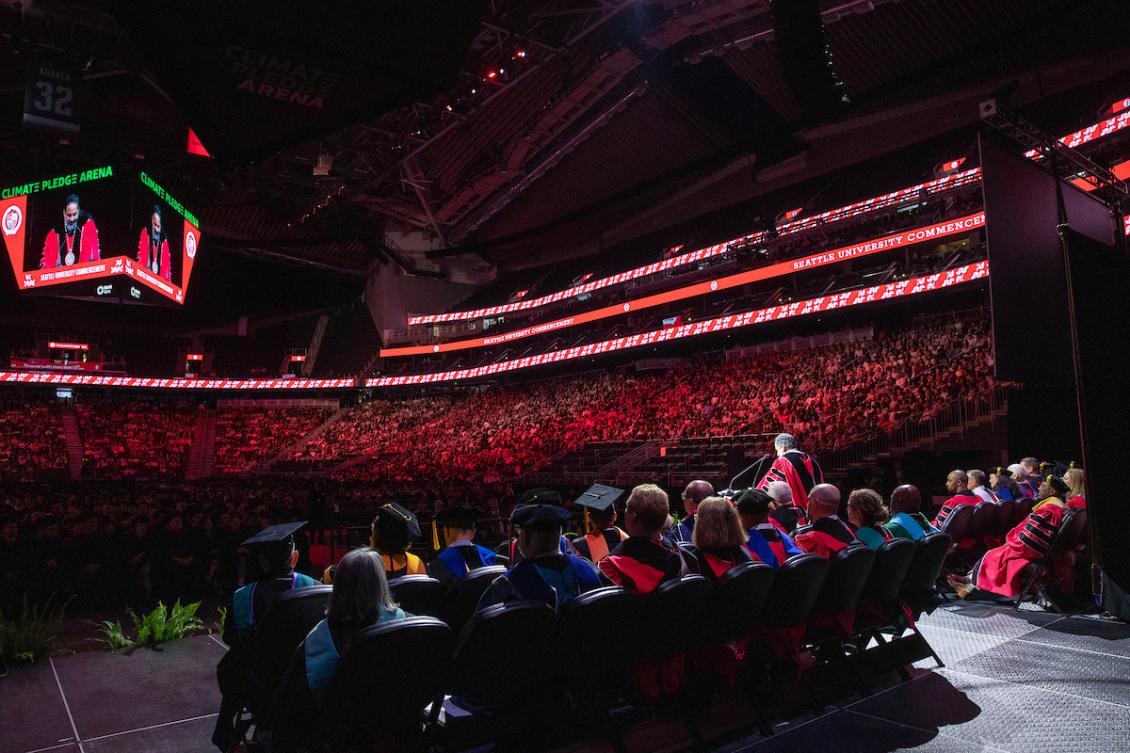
x=51 y=97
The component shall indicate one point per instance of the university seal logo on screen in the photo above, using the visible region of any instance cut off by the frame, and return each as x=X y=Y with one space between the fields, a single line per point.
x=12 y=220
x=190 y=245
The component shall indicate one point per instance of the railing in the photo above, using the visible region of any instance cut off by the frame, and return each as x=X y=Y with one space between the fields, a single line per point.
x=958 y=414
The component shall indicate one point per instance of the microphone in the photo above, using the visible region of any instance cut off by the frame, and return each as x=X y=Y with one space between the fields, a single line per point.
x=753 y=467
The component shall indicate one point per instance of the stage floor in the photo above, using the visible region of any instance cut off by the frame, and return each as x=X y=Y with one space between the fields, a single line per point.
x=1020 y=682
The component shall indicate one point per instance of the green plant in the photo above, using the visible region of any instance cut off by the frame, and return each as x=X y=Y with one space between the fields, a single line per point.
x=218 y=625
x=35 y=633
x=163 y=625
x=113 y=635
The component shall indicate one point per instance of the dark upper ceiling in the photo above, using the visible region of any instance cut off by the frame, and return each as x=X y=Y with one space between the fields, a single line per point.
x=573 y=125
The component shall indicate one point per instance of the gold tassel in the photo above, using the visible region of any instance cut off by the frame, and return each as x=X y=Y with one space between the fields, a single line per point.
x=435 y=536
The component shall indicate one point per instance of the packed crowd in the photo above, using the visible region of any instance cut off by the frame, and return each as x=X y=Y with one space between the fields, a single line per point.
x=31 y=440
x=248 y=436
x=136 y=438
x=832 y=396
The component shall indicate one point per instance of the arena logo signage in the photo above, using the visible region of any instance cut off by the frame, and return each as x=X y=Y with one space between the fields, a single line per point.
x=901 y=239
x=58 y=181
x=279 y=78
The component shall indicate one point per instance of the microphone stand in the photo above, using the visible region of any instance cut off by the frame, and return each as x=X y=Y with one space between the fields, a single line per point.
x=754 y=467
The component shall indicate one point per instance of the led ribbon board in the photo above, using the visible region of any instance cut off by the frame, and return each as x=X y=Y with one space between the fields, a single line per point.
x=854 y=251
x=875 y=203
x=888 y=291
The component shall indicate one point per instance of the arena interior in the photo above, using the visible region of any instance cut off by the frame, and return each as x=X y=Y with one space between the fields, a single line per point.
x=564 y=375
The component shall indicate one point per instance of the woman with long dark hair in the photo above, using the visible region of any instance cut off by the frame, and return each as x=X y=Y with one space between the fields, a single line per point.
x=360 y=599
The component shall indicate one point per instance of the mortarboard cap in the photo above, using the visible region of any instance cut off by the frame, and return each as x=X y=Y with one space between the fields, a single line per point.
x=539 y=517
x=1002 y=471
x=459 y=517
x=396 y=522
x=753 y=502
x=1058 y=485
x=539 y=496
x=275 y=534
x=599 y=497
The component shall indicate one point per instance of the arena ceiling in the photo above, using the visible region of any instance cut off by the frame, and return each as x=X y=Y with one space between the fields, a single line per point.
x=570 y=125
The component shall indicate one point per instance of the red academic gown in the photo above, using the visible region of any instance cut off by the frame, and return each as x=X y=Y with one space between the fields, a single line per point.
x=1001 y=570
x=55 y=247
x=797 y=469
x=166 y=268
x=825 y=537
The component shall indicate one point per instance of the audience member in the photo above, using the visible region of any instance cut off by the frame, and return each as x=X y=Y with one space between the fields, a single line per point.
x=766 y=541
x=797 y=469
x=907 y=520
x=461 y=554
x=1076 y=489
x=783 y=513
x=719 y=539
x=826 y=534
x=976 y=481
x=693 y=495
x=642 y=561
x=867 y=514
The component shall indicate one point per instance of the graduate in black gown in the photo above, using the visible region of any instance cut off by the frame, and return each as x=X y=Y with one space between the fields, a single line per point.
x=462 y=554
x=277 y=554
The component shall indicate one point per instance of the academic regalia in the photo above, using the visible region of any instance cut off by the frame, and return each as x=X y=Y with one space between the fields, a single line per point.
x=248 y=605
x=985 y=494
x=825 y=537
x=873 y=536
x=768 y=544
x=80 y=247
x=1030 y=488
x=298 y=702
x=788 y=518
x=713 y=563
x=913 y=526
x=555 y=581
x=1078 y=502
x=797 y=469
x=164 y=259
x=1001 y=570
x=454 y=562
x=596 y=545
x=565 y=547
x=641 y=564
x=684 y=530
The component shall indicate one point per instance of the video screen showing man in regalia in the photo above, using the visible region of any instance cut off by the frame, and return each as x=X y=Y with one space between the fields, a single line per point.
x=74 y=240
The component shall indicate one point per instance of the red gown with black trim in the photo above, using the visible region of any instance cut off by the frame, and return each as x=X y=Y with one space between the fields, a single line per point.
x=797 y=469
x=55 y=247
x=165 y=269
x=825 y=536
x=1001 y=570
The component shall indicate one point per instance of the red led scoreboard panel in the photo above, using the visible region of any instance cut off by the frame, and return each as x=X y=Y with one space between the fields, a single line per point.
x=99 y=232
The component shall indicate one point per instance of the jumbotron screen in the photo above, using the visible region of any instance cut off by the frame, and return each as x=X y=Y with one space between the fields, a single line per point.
x=99 y=232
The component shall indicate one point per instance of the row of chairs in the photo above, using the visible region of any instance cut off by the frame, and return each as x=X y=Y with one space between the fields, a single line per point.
x=510 y=658
x=987 y=523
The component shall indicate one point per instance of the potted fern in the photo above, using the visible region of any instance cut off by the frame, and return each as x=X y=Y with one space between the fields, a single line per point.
x=34 y=633
x=153 y=629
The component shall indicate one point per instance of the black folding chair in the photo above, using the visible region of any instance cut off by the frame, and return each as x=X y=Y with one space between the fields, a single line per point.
x=1021 y=512
x=919 y=588
x=383 y=683
x=984 y=523
x=418 y=594
x=1004 y=518
x=596 y=638
x=736 y=604
x=879 y=605
x=796 y=586
x=959 y=525
x=671 y=622
x=848 y=571
x=499 y=667
x=462 y=598
x=284 y=625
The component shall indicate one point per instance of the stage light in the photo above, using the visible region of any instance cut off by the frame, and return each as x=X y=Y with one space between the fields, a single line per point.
x=520 y=54
x=448 y=108
x=492 y=75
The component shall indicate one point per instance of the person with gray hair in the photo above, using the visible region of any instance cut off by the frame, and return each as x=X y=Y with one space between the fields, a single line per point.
x=361 y=598
x=783 y=512
x=826 y=534
x=978 y=486
x=797 y=469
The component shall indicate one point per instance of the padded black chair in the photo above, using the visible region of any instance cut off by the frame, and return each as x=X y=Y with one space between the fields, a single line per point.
x=500 y=663
x=848 y=571
x=1004 y=518
x=959 y=525
x=796 y=586
x=985 y=516
x=462 y=598
x=287 y=621
x=919 y=588
x=418 y=594
x=384 y=681
x=879 y=604
x=739 y=597
x=671 y=622
x=596 y=638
